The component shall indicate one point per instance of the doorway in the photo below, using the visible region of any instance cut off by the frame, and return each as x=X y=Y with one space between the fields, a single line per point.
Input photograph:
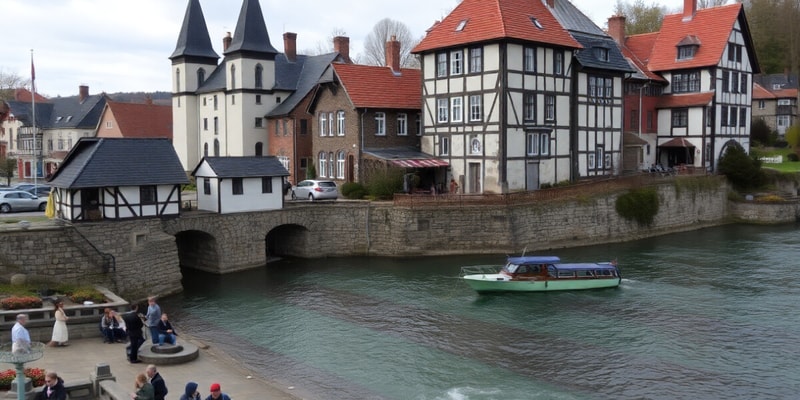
x=474 y=178
x=532 y=176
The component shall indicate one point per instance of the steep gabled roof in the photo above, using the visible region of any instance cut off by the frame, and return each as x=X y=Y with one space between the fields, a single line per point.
x=711 y=26
x=109 y=162
x=193 y=40
x=490 y=20
x=244 y=167
x=251 y=31
x=378 y=87
x=62 y=112
x=685 y=100
x=633 y=58
x=312 y=69
x=588 y=57
x=137 y=120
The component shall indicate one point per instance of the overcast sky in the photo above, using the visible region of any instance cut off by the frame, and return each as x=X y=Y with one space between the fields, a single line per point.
x=123 y=45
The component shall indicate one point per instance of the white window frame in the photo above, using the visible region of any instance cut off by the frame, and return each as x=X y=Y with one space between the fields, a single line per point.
x=331 y=127
x=419 y=125
x=590 y=161
x=323 y=162
x=784 y=120
x=475 y=60
x=323 y=123
x=762 y=104
x=380 y=124
x=444 y=146
x=441 y=65
x=284 y=160
x=340 y=123
x=783 y=102
x=457 y=62
x=340 y=157
x=456 y=109
x=402 y=124
x=529 y=106
x=529 y=59
x=475 y=107
x=549 y=108
x=442 y=110
x=537 y=144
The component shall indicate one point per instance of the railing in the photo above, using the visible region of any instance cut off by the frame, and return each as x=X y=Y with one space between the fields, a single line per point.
x=106 y=260
x=480 y=269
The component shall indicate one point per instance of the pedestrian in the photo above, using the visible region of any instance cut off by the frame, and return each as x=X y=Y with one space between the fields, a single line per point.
x=20 y=337
x=144 y=390
x=60 y=332
x=153 y=316
x=216 y=393
x=191 y=392
x=134 y=324
x=53 y=388
x=453 y=186
x=159 y=386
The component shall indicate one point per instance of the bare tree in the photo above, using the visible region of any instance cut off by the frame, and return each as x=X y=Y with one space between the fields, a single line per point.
x=325 y=47
x=10 y=81
x=375 y=43
x=711 y=3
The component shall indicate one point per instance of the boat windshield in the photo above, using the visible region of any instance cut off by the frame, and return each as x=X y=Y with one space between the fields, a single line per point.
x=512 y=268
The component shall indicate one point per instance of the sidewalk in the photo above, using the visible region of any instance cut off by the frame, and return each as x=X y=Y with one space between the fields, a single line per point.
x=77 y=361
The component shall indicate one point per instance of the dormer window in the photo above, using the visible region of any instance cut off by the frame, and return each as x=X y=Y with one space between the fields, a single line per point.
x=601 y=53
x=69 y=118
x=58 y=119
x=536 y=23
x=687 y=47
x=461 y=25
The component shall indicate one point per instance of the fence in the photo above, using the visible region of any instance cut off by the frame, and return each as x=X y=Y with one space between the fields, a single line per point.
x=772 y=160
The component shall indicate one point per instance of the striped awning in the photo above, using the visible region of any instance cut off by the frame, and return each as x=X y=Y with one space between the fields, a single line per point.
x=421 y=163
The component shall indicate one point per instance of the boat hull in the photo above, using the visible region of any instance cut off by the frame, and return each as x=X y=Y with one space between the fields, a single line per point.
x=484 y=283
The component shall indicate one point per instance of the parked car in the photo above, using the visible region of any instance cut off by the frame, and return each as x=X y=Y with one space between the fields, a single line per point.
x=40 y=191
x=28 y=186
x=19 y=200
x=315 y=190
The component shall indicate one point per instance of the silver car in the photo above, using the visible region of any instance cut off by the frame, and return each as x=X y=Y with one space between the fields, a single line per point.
x=18 y=200
x=315 y=190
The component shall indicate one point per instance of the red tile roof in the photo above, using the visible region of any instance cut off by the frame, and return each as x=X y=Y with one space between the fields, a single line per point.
x=785 y=93
x=760 y=93
x=496 y=19
x=712 y=26
x=378 y=87
x=137 y=120
x=637 y=50
x=25 y=96
x=685 y=100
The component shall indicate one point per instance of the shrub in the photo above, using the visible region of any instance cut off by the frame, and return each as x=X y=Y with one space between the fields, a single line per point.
x=353 y=190
x=793 y=157
x=640 y=205
x=21 y=302
x=744 y=172
x=8 y=376
x=311 y=171
x=86 y=294
x=383 y=184
x=771 y=198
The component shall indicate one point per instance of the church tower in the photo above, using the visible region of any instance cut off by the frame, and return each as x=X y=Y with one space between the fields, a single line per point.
x=193 y=61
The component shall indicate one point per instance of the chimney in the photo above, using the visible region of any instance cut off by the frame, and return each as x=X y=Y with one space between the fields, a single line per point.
x=341 y=45
x=290 y=46
x=148 y=100
x=393 y=54
x=226 y=41
x=689 y=9
x=550 y=3
x=83 y=91
x=616 y=28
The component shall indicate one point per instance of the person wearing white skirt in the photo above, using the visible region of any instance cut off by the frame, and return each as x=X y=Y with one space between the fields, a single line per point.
x=60 y=333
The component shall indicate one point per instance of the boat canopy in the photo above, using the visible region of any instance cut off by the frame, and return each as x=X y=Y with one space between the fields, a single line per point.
x=585 y=266
x=534 y=260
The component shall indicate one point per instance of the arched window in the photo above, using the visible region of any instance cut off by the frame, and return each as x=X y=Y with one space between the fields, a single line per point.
x=331 y=165
x=340 y=164
x=177 y=79
x=216 y=147
x=205 y=150
x=323 y=161
x=259 y=76
x=259 y=149
x=201 y=77
x=233 y=77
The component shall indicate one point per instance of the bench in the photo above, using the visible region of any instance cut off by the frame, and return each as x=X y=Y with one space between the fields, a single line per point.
x=79 y=389
x=111 y=390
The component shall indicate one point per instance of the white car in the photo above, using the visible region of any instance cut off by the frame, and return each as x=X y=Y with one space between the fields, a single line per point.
x=315 y=190
x=18 y=200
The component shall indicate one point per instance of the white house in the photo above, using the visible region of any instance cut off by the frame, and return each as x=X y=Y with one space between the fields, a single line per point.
x=239 y=184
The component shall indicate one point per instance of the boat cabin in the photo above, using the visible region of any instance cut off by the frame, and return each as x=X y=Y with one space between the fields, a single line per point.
x=549 y=267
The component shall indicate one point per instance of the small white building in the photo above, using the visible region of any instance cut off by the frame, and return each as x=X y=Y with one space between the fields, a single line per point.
x=118 y=178
x=239 y=184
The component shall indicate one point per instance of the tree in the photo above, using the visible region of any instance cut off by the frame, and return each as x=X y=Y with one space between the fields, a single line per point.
x=793 y=136
x=10 y=81
x=776 y=36
x=375 y=43
x=760 y=132
x=7 y=168
x=326 y=47
x=711 y=3
x=743 y=172
x=640 y=17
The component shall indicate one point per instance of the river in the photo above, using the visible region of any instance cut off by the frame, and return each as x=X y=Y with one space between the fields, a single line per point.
x=704 y=314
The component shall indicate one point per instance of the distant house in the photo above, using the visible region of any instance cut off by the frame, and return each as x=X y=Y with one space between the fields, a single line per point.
x=238 y=184
x=118 y=178
x=775 y=100
x=135 y=120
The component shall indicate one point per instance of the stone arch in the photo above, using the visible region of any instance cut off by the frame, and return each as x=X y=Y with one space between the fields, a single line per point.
x=287 y=240
x=198 y=250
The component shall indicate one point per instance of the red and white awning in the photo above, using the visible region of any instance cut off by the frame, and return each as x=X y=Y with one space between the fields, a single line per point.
x=421 y=163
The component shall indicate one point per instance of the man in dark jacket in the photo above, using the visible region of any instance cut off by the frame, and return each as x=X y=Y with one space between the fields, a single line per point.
x=53 y=388
x=159 y=386
x=133 y=322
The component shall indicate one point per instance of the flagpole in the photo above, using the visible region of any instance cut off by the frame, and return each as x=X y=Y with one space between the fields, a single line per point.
x=33 y=124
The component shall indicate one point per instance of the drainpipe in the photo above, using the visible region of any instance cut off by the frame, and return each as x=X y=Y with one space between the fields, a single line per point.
x=361 y=150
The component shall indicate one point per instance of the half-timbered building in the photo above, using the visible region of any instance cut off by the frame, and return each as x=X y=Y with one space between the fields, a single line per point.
x=239 y=184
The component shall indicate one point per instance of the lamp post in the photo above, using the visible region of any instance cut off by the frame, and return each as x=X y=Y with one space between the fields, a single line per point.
x=19 y=358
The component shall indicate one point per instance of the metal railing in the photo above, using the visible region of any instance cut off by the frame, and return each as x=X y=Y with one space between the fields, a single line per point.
x=107 y=261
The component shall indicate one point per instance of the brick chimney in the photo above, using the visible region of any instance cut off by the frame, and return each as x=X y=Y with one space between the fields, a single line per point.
x=616 y=28
x=393 y=54
x=226 y=41
x=689 y=9
x=341 y=45
x=290 y=46
x=83 y=91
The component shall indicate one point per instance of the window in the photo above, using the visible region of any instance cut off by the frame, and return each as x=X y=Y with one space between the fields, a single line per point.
x=285 y=127
x=147 y=194
x=742 y=117
x=762 y=105
x=456 y=109
x=529 y=107
x=233 y=77
x=441 y=110
x=441 y=64
x=634 y=119
x=686 y=82
x=205 y=149
x=259 y=149
x=709 y=116
x=259 y=122
x=601 y=89
x=340 y=165
x=419 y=125
x=340 y=123
x=444 y=146
x=380 y=123
x=259 y=76
x=734 y=52
x=323 y=123
x=331 y=165
x=599 y=154
x=402 y=124
x=686 y=52
x=529 y=59
x=177 y=79
x=207 y=186
x=204 y=101
x=233 y=99
x=734 y=82
x=536 y=23
x=277 y=128
x=723 y=118
x=205 y=124
x=303 y=163
x=725 y=82
x=590 y=160
x=216 y=125
x=266 y=184
x=475 y=60
x=550 y=108
x=607 y=160
x=456 y=62
x=784 y=102
x=284 y=161
x=303 y=126
x=237 y=186
x=537 y=144
x=784 y=121
x=216 y=147
x=323 y=163
x=680 y=118
x=558 y=62
x=475 y=112
x=258 y=99
x=601 y=53
x=744 y=83
x=330 y=124
x=733 y=114
x=215 y=102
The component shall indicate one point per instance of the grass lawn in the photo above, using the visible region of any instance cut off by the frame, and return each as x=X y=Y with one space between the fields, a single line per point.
x=785 y=166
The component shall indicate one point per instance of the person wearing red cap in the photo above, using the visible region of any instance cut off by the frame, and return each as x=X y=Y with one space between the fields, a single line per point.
x=216 y=393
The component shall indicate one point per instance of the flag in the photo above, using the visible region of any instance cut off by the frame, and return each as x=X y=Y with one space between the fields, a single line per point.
x=33 y=77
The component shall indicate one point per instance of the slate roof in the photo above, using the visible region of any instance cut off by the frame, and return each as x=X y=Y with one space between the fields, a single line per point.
x=215 y=81
x=244 y=167
x=251 y=31
x=310 y=68
x=109 y=162
x=572 y=19
x=137 y=120
x=491 y=20
x=193 y=40
x=62 y=112
x=685 y=100
x=785 y=80
x=588 y=58
x=378 y=87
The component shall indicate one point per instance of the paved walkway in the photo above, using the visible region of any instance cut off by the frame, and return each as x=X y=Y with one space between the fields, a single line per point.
x=77 y=361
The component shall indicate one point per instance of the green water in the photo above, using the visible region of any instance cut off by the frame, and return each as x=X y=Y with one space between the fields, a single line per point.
x=705 y=314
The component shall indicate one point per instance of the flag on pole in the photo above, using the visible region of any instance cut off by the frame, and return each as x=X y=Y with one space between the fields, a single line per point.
x=33 y=75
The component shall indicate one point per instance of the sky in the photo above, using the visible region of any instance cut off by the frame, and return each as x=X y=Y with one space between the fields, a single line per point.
x=123 y=45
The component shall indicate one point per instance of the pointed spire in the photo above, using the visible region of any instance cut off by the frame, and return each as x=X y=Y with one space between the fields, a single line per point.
x=251 y=31
x=193 y=41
